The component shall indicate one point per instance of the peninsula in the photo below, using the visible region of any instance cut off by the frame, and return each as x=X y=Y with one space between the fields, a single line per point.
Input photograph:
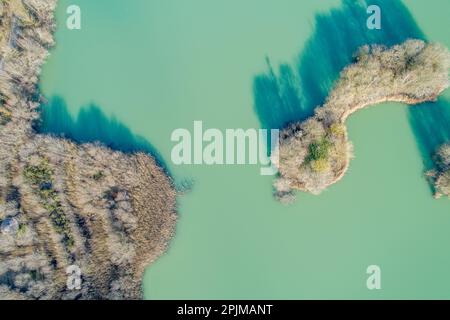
x=315 y=153
x=78 y=221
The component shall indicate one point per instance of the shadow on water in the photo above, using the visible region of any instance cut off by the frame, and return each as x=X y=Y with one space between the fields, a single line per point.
x=92 y=125
x=431 y=125
x=291 y=92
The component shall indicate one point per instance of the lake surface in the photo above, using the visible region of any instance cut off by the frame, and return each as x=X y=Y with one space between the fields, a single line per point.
x=140 y=69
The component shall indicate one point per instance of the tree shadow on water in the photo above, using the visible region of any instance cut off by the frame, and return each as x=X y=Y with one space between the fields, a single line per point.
x=291 y=92
x=431 y=126
x=92 y=125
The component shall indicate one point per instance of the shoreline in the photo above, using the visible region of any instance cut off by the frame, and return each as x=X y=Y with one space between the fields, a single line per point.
x=395 y=99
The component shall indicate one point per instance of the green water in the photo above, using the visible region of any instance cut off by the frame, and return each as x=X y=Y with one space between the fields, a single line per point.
x=159 y=65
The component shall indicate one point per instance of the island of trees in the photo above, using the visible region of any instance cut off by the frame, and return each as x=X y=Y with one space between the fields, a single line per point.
x=440 y=176
x=315 y=153
x=66 y=206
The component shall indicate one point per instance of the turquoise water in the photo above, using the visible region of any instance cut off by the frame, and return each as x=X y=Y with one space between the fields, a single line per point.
x=137 y=71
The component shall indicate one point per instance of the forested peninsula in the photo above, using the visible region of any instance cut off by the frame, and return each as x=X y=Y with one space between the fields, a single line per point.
x=316 y=153
x=68 y=210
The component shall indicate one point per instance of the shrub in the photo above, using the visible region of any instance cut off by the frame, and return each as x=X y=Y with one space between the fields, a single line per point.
x=5 y=116
x=98 y=175
x=22 y=229
x=337 y=129
x=40 y=174
x=443 y=155
x=318 y=150
x=443 y=184
x=320 y=165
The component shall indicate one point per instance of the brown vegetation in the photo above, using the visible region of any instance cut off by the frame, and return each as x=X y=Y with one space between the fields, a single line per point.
x=107 y=212
x=440 y=176
x=315 y=153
